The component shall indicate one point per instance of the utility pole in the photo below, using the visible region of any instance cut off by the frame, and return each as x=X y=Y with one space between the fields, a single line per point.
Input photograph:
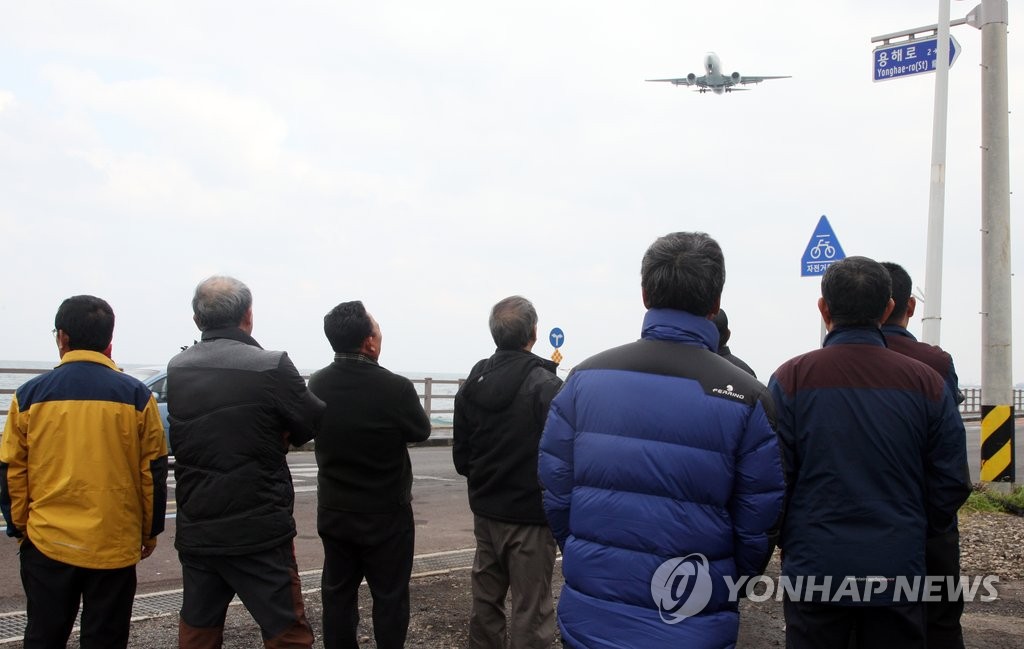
x=997 y=429
x=932 y=319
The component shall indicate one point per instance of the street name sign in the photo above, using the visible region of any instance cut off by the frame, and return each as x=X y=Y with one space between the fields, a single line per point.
x=910 y=57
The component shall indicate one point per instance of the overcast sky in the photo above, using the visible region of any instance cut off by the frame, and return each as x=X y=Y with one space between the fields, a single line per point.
x=430 y=158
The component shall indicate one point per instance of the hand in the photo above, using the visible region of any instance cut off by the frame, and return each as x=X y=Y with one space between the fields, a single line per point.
x=146 y=551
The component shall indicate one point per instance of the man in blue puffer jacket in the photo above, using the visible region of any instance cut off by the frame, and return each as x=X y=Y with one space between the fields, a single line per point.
x=661 y=471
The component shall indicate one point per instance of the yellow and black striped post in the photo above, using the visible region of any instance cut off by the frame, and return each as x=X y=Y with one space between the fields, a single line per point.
x=997 y=452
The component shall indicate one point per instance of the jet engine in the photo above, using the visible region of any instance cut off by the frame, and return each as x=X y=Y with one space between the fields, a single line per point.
x=735 y=77
x=691 y=77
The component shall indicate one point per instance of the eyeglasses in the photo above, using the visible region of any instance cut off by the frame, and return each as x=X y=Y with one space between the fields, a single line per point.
x=54 y=333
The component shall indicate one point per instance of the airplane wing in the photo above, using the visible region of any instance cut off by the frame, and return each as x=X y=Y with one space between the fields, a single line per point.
x=683 y=81
x=746 y=80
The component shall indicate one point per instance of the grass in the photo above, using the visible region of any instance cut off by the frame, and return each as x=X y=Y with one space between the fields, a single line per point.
x=984 y=498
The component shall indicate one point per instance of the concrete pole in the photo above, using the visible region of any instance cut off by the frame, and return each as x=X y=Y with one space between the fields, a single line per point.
x=996 y=332
x=932 y=318
x=996 y=362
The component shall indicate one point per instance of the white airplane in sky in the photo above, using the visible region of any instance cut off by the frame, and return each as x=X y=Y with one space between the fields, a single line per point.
x=714 y=80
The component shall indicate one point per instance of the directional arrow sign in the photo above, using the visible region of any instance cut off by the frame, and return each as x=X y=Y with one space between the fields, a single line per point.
x=911 y=57
x=556 y=337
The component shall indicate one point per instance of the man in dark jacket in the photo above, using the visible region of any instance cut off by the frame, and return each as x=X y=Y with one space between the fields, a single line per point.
x=661 y=469
x=722 y=324
x=942 y=552
x=875 y=457
x=234 y=408
x=364 y=481
x=499 y=414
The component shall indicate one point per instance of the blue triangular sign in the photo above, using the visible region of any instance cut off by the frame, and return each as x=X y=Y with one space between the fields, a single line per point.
x=822 y=251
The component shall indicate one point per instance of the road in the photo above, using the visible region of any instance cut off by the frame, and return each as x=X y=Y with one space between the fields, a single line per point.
x=443 y=522
x=443 y=519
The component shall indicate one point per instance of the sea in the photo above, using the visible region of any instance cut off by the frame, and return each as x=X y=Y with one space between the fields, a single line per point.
x=444 y=385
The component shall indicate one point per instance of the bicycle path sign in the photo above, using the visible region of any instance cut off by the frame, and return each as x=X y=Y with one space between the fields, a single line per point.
x=822 y=251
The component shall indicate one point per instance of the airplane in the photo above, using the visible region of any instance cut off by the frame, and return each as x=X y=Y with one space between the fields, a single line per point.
x=714 y=80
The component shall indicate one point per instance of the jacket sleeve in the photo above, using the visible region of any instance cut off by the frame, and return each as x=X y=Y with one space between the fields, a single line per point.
x=413 y=420
x=758 y=488
x=14 y=473
x=153 y=472
x=946 y=471
x=785 y=425
x=302 y=410
x=461 y=431
x=555 y=463
x=953 y=382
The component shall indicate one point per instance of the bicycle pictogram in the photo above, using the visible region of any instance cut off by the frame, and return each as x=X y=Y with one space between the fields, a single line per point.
x=823 y=246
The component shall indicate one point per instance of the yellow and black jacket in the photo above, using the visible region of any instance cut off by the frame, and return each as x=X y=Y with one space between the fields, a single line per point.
x=83 y=464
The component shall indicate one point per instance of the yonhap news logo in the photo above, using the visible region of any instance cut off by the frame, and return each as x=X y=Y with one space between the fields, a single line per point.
x=681 y=587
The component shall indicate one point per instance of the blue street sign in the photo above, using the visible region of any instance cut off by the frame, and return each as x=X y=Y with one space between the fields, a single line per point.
x=823 y=250
x=911 y=57
x=556 y=337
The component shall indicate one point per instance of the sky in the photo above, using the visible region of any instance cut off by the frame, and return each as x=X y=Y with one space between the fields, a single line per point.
x=432 y=158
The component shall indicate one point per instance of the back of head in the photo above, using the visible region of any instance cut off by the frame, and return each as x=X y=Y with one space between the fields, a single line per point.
x=683 y=271
x=220 y=302
x=722 y=324
x=513 y=323
x=901 y=288
x=87 y=321
x=856 y=291
x=347 y=326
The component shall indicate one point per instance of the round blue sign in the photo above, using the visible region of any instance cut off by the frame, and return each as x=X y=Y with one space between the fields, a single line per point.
x=556 y=337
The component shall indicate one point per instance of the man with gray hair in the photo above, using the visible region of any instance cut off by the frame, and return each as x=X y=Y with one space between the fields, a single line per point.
x=233 y=409
x=499 y=414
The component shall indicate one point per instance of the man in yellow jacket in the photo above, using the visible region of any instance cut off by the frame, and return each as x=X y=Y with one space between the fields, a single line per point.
x=83 y=484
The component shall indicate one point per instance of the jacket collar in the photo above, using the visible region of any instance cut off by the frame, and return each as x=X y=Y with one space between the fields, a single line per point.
x=84 y=355
x=231 y=333
x=680 y=327
x=855 y=336
x=896 y=330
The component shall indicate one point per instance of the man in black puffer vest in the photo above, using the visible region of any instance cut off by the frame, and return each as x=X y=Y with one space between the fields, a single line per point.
x=499 y=414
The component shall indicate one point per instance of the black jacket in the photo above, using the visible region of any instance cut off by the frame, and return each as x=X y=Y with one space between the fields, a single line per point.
x=361 y=449
x=499 y=415
x=233 y=408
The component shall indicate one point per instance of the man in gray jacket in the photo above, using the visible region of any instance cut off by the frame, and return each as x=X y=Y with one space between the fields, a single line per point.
x=233 y=409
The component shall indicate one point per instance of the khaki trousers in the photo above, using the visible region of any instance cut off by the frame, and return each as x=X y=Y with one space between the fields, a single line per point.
x=520 y=558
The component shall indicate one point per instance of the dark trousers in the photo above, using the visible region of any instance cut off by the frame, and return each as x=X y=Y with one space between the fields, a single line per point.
x=813 y=625
x=942 y=556
x=54 y=589
x=266 y=582
x=378 y=547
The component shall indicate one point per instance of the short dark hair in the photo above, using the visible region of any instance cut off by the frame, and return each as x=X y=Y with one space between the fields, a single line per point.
x=347 y=326
x=856 y=290
x=88 y=322
x=722 y=324
x=683 y=271
x=220 y=302
x=513 y=322
x=901 y=288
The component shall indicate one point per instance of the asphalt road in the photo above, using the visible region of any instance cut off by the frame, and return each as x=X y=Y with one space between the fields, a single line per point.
x=443 y=522
x=443 y=519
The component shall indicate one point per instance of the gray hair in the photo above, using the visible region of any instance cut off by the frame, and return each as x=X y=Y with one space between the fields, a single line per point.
x=513 y=322
x=683 y=271
x=220 y=302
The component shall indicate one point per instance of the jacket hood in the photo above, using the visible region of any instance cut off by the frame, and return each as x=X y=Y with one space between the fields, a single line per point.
x=680 y=327
x=494 y=382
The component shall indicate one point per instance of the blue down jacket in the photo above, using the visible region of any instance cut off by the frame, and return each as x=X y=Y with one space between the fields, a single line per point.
x=653 y=451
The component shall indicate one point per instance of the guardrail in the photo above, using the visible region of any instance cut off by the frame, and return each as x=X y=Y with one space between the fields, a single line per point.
x=431 y=394
x=437 y=395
